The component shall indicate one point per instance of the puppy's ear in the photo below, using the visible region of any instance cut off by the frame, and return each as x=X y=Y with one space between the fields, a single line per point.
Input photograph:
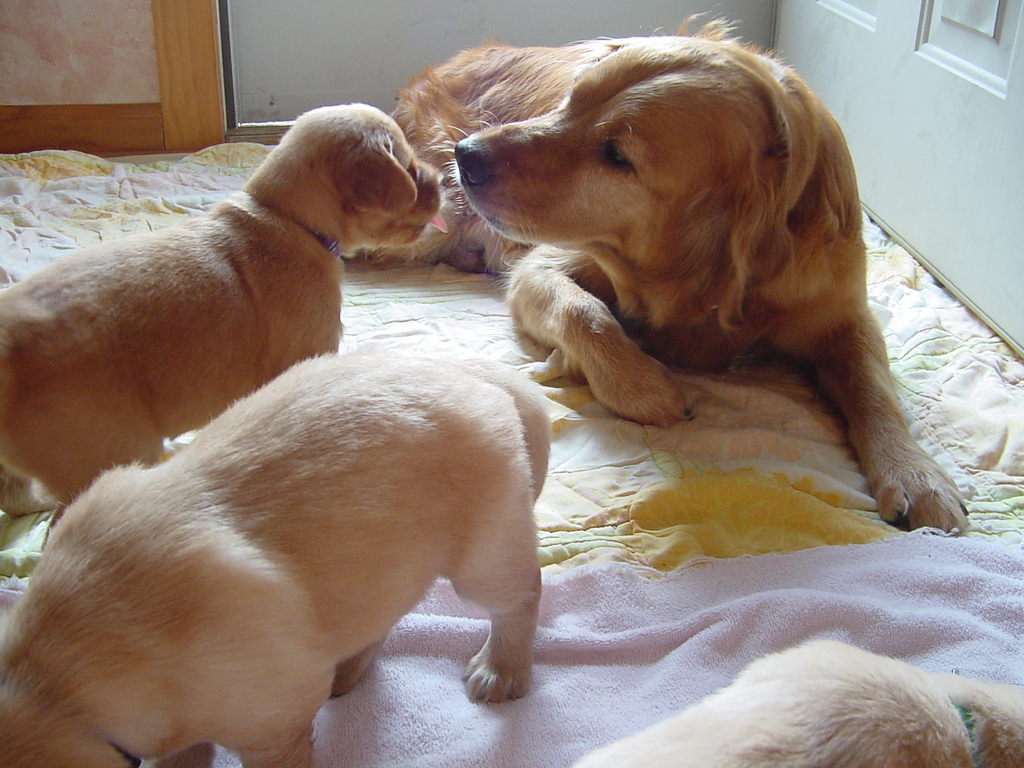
x=379 y=182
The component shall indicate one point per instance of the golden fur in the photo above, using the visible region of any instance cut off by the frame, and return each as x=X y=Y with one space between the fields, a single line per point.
x=668 y=201
x=829 y=705
x=105 y=353
x=223 y=595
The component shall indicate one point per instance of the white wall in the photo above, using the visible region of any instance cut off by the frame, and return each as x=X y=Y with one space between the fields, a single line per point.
x=290 y=57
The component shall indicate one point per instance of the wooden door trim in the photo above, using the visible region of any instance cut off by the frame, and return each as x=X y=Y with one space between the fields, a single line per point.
x=189 y=64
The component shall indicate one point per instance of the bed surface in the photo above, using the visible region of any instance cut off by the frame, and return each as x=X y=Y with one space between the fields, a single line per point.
x=651 y=519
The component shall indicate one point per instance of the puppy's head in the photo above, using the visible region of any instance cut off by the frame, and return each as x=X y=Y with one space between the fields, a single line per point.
x=34 y=737
x=680 y=159
x=348 y=173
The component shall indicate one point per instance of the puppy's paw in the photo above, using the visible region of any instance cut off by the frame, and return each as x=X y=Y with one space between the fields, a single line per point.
x=917 y=494
x=490 y=682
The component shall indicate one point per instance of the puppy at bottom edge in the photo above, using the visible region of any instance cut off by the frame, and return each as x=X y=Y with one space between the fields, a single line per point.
x=826 y=704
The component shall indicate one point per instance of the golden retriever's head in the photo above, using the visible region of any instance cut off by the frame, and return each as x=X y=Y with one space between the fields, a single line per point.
x=348 y=173
x=680 y=163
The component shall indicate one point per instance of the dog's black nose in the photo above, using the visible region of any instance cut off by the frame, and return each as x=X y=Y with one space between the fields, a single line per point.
x=475 y=167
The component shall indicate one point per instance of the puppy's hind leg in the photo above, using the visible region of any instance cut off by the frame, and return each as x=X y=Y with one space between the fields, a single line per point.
x=351 y=670
x=502 y=669
x=503 y=577
x=196 y=756
x=291 y=749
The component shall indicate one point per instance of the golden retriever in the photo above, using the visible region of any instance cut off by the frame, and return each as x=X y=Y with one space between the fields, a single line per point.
x=829 y=705
x=668 y=201
x=105 y=353
x=221 y=596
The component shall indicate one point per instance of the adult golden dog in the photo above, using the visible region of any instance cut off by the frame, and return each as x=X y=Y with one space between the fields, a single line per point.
x=829 y=704
x=668 y=201
x=105 y=353
x=222 y=595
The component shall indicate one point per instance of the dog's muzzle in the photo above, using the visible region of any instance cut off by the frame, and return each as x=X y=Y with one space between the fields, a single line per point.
x=475 y=165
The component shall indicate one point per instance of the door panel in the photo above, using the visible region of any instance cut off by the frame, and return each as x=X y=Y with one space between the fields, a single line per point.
x=188 y=116
x=931 y=97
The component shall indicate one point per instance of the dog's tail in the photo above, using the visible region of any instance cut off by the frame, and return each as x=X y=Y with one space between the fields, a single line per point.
x=715 y=28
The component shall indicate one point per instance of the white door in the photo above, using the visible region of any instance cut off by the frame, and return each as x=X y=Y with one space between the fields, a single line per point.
x=930 y=94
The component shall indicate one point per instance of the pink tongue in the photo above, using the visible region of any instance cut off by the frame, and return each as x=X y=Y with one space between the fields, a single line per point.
x=439 y=222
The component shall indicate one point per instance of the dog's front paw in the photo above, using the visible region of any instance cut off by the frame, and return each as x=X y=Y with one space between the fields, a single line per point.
x=491 y=682
x=645 y=393
x=916 y=493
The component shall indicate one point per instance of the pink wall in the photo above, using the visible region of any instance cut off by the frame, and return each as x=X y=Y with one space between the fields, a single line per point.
x=74 y=52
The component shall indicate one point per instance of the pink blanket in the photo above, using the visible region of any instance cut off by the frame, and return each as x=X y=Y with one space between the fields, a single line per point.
x=620 y=647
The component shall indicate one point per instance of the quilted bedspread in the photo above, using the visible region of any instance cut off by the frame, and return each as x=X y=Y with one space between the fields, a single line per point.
x=765 y=468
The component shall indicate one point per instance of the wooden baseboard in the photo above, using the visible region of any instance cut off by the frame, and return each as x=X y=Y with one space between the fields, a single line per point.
x=100 y=129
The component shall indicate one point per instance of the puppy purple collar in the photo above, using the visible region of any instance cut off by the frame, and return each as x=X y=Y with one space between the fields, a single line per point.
x=327 y=242
x=330 y=243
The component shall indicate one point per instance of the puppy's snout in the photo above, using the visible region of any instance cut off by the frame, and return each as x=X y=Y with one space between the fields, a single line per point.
x=475 y=165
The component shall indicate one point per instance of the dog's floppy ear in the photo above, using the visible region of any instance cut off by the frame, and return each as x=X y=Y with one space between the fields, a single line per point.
x=379 y=182
x=797 y=188
x=759 y=242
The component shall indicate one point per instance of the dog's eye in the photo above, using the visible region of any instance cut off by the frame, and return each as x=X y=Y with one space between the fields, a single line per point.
x=613 y=155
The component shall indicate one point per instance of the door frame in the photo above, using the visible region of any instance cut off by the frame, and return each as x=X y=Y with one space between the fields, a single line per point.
x=189 y=64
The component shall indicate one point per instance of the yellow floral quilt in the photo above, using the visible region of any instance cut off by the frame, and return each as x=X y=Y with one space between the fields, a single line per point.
x=764 y=469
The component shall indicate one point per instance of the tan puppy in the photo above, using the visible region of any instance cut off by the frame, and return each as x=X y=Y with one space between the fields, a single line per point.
x=689 y=201
x=828 y=705
x=210 y=598
x=105 y=353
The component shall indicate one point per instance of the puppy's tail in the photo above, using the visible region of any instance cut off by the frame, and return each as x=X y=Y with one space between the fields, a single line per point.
x=533 y=414
x=6 y=371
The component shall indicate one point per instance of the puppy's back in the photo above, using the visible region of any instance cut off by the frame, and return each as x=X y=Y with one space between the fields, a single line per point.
x=451 y=450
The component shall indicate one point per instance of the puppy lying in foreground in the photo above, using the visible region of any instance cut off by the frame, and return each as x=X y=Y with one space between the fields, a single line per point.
x=828 y=705
x=669 y=201
x=223 y=595
x=108 y=351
